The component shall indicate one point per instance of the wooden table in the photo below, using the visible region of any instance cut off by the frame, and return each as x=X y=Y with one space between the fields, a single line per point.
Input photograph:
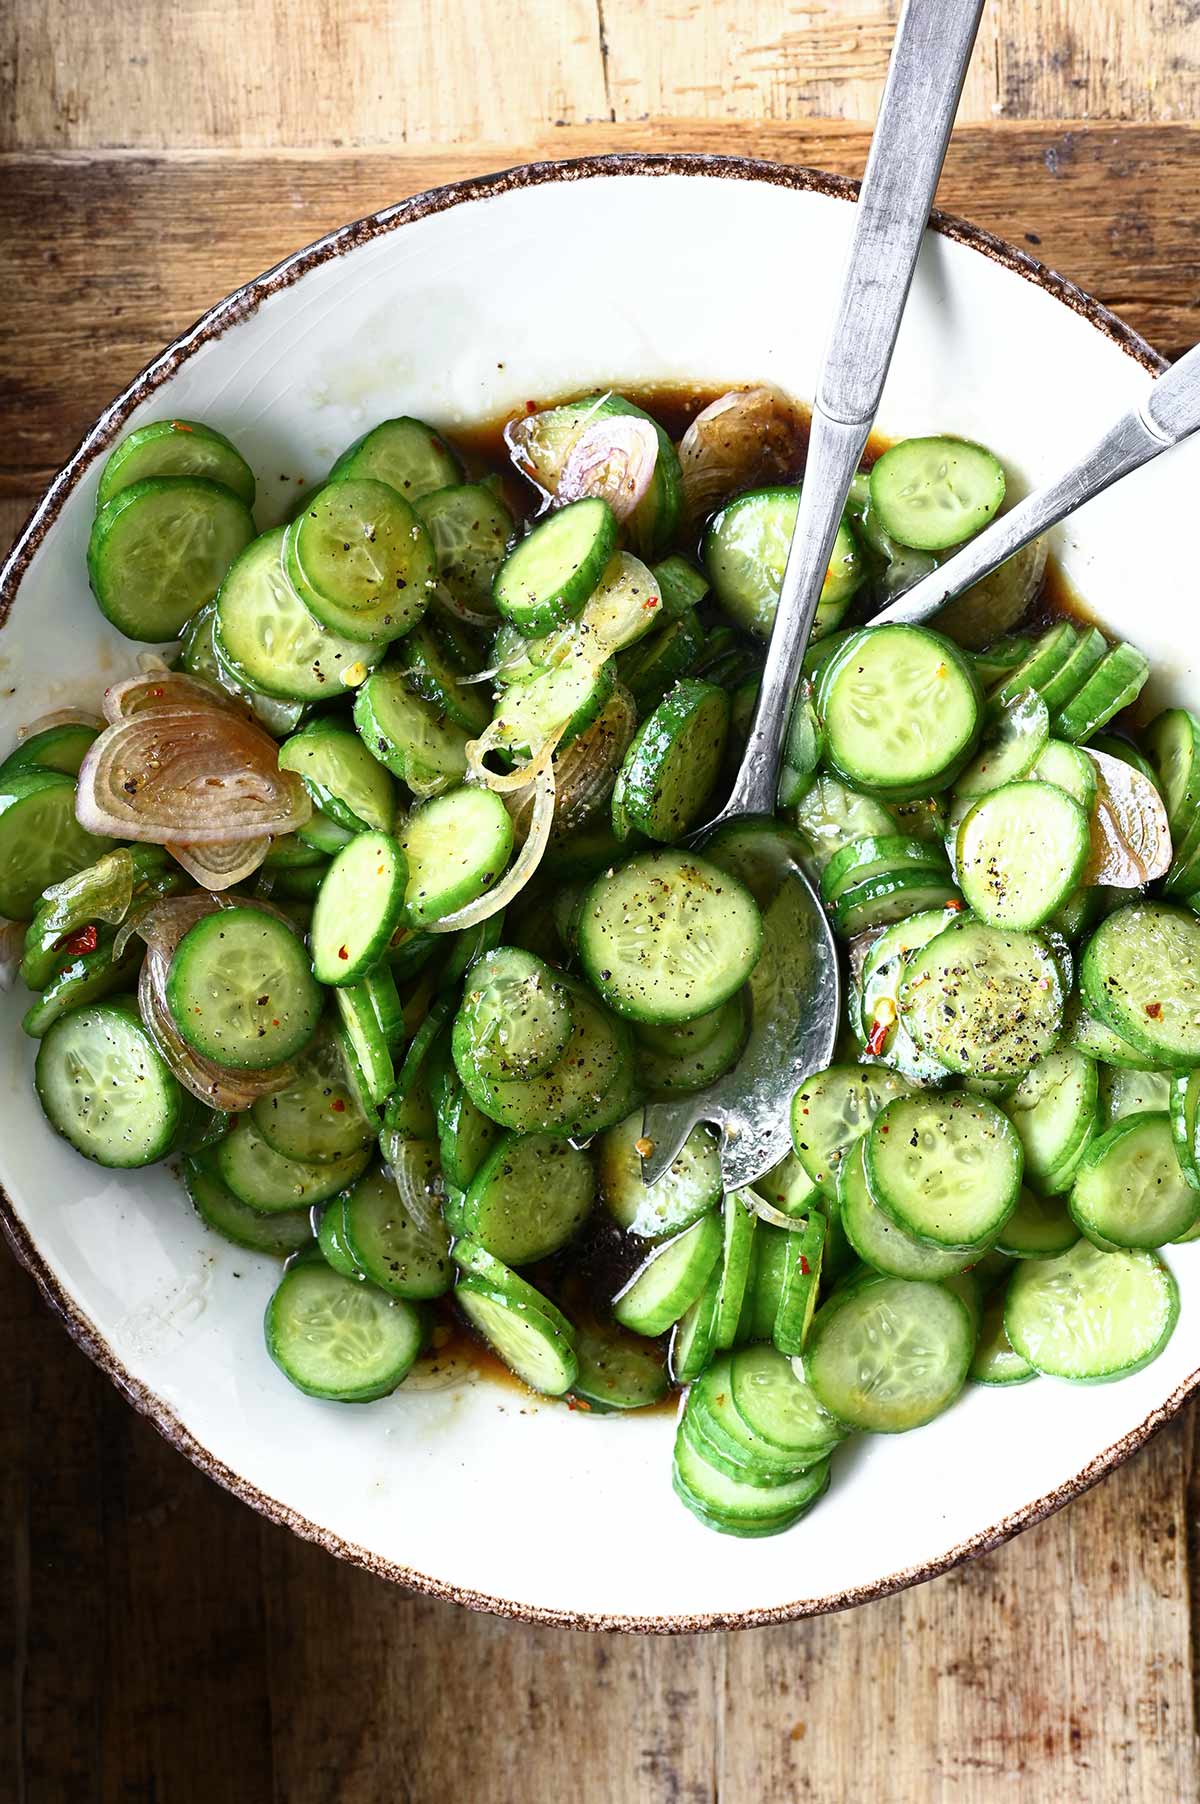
x=160 y=1641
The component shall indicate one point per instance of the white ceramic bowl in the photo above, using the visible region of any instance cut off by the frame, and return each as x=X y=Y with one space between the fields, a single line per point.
x=455 y=305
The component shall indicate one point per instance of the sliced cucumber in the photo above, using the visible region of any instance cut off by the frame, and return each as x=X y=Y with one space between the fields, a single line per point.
x=104 y=1086
x=340 y=1339
x=406 y=454
x=160 y=549
x=888 y=1354
x=264 y=1180
x=1115 y=683
x=41 y=842
x=1014 y=737
x=685 y=1192
x=1140 y=973
x=830 y=815
x=470 y=528
x=81 y=980
x=457 y=846
x=269 y=639
x=670 y=1280
x=945 y=1167
x=529 y=1342
x=550 y=574
x=515 y=1018
x=1070 y=769
x=1091 y=1315
x=331 y=1238
x=737 y=1264
x=984 y=1001
x=465 y=1136
x=393 y=1226
x=1055 y=1110
x=1184 y=1109
x=1038 y=1228
x=802 y=1253
x=1130 y=1190
x=589 y=1088
x=241 y=991
x=372 y=1054
x=62 y=748
x=618 y=1370
x=345 y=782
x=650 y=669
x=360 y=560
x=734 y=1507
x=777 y=1406
x=1021 y=852
x=558 y=704
x=691 y=1346
x=901 y=710
x=175 y=448
x=1134 y=1093
x=932 y=493
x=745 y=553
x=833 y=1109
x=407 y=734
x=1095 y=1038
x=687 y=1069
x=1173 y=745
x=359 y=906
x=668 y=936
x=529 y=1197
x=881 y=1242
x=996 y=1360
x=673 y=764
x=316 y=1118
x=219 y=1209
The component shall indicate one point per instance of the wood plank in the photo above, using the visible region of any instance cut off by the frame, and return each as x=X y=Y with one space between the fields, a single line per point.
x=241 y=73
x=127 y=240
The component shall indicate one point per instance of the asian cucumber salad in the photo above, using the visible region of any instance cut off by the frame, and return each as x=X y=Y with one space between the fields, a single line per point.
x=367 y=906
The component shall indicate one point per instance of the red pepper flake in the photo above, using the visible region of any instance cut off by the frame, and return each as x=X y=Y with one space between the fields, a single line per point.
x=877 y=1038
x=578 y=1403
x=954 y=906
x=181 y=426
x=531 y=406
x=343 y=952
x=75 y=943
x=805 y=1267
x=651 y=601
x=338 y=1106
x=1154 y=1010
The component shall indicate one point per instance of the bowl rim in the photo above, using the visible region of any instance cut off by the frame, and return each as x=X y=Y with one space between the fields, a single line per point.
x=240 y=304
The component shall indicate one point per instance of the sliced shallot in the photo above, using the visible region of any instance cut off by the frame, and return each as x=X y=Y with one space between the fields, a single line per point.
x=216 y=866
x=614 y=458
x=1131 y=839
x=162 y=691
x=60 y=717
x=12 y=951
x=745 y=439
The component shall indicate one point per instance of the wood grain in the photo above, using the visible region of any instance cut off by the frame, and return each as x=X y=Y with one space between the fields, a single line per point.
x=258 y=73
x=128 y=239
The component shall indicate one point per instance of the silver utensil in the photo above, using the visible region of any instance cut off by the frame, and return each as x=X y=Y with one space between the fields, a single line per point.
x=795 y=989
x=1169 y=413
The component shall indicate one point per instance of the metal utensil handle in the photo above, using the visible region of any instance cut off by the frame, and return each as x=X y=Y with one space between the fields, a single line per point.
x=1169 y=413
x=934 y=39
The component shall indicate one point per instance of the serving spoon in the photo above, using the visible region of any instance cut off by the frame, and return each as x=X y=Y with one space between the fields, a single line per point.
x=795 y=988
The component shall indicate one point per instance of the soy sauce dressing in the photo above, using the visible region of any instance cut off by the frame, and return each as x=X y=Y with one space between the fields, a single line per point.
x=585 y=1277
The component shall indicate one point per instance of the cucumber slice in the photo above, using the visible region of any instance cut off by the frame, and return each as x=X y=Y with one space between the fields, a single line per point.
x=1184 y=1109
x=1090 y=1315
x=372 y=1055
x=104 y=1086
x=82 y=980
x=1134 y=1093
x=1090 y=647
x=1038 y=1228
x=457 y=847
x=889 y=855
x=880 y=901
x=888 y=1354
x=268 y=638
x=881 y=1242
x=558 y=704
x=160 y=549
x=476 y=1262
x=62 y=748
x=1069 y=768
x=668 y=936
x=901 y=709
x=465 y=1136
x=788 y=1188
x=830 y=815
x=219 y=1209
x=932 y=493
x=745 y=553
x=550 y=574
x=471 y=530
x=1130 y=1190
x=944 y=1167
x=340 y=1339
x=589 y=1088
x=833 y=1109
x=316 y=1118
x=264 y=1180
x=515 y=1018
x=345 y=782
x=408 y=735
x=1140 y=973
x=777 y=1406
x=1115 y=683
x=984 y=1001
x=996 y=1360
x=531 y=1346
x=359 y=907
x=393 y=1226
x=434 y=677
x=41 y=842
x=405 y=453
x=735 y=1499
x=1173 y=746
x=1055 y=1109
x=175 y=448
x=201 y=656
x=672 y=766
x=1046 y=657
x=240 y=990
x=666 y=1285
x=530 y=1196
x=667 y=1073
x=1097 y=1040
x=737 y=1254
x=618 y=1370
x=1014 y=737
x=680 y=584
x=802 y=1252
x=650 y=669
x=716 y=1431
x=331 y=1239
x=360 y=560
x=691 y=1346
x=681 y=1196
x=884 y=1033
